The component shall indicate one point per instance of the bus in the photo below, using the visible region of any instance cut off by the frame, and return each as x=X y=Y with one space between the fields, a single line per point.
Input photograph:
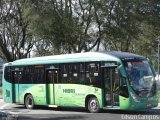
x=92 y=80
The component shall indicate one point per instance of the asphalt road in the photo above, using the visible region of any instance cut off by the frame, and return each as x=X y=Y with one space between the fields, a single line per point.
x=19 y=112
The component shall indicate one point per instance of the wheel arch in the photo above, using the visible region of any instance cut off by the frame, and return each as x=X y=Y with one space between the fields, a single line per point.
x=87 y=98
x=26 y=96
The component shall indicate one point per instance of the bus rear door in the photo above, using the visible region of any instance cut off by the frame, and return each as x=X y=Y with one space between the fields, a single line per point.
x=16 y=77
x=51 y=79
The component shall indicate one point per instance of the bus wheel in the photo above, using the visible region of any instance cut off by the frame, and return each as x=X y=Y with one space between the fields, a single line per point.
x=93 y=105
x=29 y=102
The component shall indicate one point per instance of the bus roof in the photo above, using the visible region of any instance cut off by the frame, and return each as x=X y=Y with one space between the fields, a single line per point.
x=76 y=57
x=125 y=55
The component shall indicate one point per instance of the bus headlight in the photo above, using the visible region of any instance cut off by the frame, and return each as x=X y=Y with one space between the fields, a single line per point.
x=135 y=98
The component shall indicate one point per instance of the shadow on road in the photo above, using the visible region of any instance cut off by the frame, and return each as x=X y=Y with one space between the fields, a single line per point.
x=67 y=109
x=54 y=117
x=155 y=111
x=134 y=112
x=68 y=113
x=7 y=116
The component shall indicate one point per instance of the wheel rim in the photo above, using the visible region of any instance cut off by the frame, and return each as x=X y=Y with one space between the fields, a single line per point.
x=93 y=105
x=29 y=102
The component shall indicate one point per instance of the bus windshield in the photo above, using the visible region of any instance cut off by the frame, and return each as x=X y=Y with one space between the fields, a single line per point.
x=141 y=77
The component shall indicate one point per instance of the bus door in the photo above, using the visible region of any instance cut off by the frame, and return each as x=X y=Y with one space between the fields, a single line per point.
x=16 y=78
x=111 y=86
x=51 y=79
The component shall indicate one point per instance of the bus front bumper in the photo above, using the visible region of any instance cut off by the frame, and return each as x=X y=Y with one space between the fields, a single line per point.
x=144 y=103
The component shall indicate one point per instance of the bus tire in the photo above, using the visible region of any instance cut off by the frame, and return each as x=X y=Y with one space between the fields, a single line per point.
x=93 y=105
x=29 y=102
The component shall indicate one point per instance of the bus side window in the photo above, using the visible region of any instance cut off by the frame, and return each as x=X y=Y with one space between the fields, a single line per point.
x=74 y=73
x=28 y=74
x=18 y=76
x=49 y=77
x=7 y=74
x=88 y=80
x=123 y=87
x=64 y=73
x=41 y=75
x=81 y=73
x=92 y=74
x=70 y=73
x=38 y=75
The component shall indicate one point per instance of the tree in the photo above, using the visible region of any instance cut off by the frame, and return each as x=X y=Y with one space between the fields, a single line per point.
x=67 y=26
x=15 y=42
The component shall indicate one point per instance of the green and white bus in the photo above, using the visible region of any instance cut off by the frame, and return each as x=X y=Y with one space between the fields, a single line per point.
x=93 y=80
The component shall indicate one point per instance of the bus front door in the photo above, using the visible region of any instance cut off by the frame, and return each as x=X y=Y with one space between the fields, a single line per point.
x=111 y=86
x=51 y=79
x=16 y=77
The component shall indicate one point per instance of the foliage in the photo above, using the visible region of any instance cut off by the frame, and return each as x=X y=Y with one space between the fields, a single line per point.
x=68 y=26
x=15 y=42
